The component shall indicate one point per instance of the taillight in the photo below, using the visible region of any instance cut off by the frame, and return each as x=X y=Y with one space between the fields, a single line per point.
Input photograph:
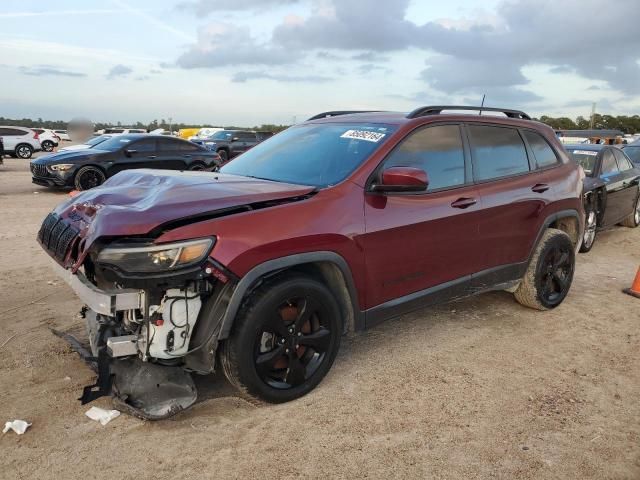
x=35 y=135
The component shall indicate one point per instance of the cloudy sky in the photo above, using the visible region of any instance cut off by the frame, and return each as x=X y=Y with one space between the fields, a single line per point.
x=272 y=61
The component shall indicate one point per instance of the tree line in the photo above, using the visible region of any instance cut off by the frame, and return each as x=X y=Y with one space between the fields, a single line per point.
x=628 y=124
x=155 y=124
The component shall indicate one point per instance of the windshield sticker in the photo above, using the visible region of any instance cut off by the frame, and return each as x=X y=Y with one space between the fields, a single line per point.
x=585 y=152
x=374 y=137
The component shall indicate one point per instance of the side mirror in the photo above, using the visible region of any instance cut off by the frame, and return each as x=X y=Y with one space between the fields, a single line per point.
x=128 y=152
x=235 y=139
x=402 y=179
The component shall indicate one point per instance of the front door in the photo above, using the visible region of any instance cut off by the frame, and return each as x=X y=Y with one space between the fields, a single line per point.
x=616 y=189
x=424 y=241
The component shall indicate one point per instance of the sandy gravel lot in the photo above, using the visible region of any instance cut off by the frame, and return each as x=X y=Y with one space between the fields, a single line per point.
x=482 y=388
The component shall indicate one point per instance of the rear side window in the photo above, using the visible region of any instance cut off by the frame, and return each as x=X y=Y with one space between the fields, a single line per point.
x=609 y=165
x=497 y=152
x=12 y=132
x=185 y=146
x=543 y=153
x=633 y=153
x=623 y=162
x=144 y=146
x=436 y=150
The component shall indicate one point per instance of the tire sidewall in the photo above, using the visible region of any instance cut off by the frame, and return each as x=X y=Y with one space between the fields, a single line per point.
x=556 y=241
x=47 y=146
x=583 y=247
x=249 y=326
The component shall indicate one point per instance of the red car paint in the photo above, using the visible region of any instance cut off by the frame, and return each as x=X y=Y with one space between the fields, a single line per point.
x=394 y=245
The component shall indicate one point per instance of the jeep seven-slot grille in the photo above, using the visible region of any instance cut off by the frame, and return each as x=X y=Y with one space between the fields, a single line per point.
x=39 y=170
x=57 y=236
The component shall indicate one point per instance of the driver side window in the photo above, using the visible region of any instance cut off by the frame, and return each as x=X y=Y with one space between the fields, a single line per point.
x=436 y=150
x=144 y=146
x=609 y=165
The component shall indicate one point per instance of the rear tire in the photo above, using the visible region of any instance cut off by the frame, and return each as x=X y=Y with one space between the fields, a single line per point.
x=197 y=167
x=47 y=146
x=89 y=177
x=284 y=340
x=550 y=273
x=633 y=220
x=24 y=151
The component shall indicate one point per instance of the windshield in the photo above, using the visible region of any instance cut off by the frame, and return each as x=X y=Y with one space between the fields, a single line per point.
x=221 y=136
x=96 y=140
x=114 y=143
x=311 y=154
x=633 y=153
x=586 y=159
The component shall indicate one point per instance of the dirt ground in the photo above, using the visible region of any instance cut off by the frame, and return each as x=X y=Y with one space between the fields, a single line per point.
x=482 y=388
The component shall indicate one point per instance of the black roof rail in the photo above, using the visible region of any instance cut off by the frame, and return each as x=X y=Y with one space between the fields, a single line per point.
x=339 y=112
x=437 y=109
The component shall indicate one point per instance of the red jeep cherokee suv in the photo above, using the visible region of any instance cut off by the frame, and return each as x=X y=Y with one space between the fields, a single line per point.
x=330 y=226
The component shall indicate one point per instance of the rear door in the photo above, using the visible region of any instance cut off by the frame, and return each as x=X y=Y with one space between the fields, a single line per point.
x=630 y=179
x=514 y=192
x=170 y=154
x=12 y=137
x=419 y=241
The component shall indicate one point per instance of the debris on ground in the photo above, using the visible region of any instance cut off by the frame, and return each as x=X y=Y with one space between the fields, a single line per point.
x=101 y=415
x=18 y=426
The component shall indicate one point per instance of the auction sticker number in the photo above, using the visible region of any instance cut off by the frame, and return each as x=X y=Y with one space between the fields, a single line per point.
x=585 y=152
x=363 y=135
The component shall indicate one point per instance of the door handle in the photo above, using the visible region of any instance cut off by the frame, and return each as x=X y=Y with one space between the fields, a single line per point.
x=540 y=187
x=151 y=156
x=464 y=202
x=187 y=156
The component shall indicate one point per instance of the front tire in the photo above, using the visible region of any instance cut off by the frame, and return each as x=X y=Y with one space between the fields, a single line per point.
x=47 y=146
x=24 y=151
x=197 y=167
x=89 y=177
x=550 y=273
x=284 y=341
x=224 y=156
x=633 y=220
x=590 y=231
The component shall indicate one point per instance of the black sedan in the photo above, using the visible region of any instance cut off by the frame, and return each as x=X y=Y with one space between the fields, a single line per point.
x=611 y=189
x=88 y=168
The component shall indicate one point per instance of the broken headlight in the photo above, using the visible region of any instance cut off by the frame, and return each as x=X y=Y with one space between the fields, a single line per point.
x=157 y=258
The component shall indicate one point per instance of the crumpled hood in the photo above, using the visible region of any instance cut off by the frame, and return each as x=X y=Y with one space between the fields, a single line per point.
x=135 y=202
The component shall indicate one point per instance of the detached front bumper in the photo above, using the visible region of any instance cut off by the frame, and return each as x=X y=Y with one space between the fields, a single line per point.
x=101 y=301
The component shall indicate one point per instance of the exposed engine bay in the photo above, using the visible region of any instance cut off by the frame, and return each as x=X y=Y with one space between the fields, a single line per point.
x=146 y=356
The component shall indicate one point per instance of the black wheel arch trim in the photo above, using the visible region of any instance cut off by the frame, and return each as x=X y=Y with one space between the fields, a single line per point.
x=251 y=279
x=554 y=217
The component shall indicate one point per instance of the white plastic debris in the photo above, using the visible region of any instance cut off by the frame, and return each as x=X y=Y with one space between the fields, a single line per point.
x=18 y=426
x=101 y=415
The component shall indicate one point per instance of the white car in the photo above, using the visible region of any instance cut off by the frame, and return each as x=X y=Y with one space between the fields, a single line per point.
x=92 y=142
x=204 y=133
x=48 y=139
x=123 y=131
x=19 y=142
x=63 y=134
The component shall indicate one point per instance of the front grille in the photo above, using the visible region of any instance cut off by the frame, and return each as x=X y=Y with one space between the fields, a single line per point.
x=39 y=170
x=57 y=236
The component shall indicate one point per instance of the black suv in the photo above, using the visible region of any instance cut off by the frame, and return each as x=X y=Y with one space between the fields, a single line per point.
x=90 y=167
x=230 y=143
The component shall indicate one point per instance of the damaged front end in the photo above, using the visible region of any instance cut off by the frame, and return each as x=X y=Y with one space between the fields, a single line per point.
x=153 y=314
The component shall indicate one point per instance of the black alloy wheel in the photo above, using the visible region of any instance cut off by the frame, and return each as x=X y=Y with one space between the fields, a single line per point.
x=556 y=274
x=88 y=178
x=293 y=342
